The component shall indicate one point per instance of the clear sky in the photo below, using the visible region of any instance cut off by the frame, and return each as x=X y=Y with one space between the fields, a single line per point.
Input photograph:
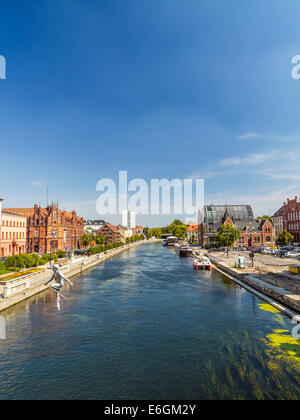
x=160 y=88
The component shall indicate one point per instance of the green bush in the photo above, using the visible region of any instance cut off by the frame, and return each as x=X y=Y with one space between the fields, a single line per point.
x=61 y=254
x=104 y=248
x=2 y=268
x=20 y=262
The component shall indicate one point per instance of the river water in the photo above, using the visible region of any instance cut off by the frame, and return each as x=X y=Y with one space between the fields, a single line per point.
x=145 y=325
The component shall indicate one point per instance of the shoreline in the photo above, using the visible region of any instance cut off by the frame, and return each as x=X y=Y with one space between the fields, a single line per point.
x=278 y=297
x=72 y=269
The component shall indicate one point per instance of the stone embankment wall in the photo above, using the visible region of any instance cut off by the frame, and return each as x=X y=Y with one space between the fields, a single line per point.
x=76 y=266
x=279 y=294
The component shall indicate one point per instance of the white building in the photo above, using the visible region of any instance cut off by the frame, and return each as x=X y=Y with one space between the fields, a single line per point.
x=93 y=226
x=128 y=219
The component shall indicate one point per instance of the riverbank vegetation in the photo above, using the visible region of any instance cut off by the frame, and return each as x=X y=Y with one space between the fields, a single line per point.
x=104 y=248
x=25 y=261
x=176 y=228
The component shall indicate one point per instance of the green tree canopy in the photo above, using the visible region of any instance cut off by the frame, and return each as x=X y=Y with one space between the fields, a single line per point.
x=263 y=218
x=285 y=238
x=86 y=240
x=227 y=236
x=100 y=239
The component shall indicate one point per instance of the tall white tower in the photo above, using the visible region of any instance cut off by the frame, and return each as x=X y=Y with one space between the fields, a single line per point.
x=128 y=219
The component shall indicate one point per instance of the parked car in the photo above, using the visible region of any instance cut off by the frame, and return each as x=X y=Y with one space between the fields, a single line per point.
x=257 y=250
x=293 y=254
x=282 y=253
x=241 y=248
x=81 y=252
x=267 y=251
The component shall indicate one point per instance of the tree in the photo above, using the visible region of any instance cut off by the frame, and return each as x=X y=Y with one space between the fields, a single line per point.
x=227 y=236
x=177 y=222
x=100 y=239
x=86 y=240
x=263 y=218
x=285 y=238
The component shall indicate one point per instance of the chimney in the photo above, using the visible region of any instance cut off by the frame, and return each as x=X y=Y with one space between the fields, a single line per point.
x=297 y=199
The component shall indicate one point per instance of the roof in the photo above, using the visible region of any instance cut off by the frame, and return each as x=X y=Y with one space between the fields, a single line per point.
x=214 y=215
x=44 y=212
x=193 y=228
x=280 y=212
x=252 y=225
x=13 y=214
x=113 y=228
x=94 y=222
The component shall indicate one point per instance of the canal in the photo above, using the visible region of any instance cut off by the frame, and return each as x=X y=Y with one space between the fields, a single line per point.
x=144 y=325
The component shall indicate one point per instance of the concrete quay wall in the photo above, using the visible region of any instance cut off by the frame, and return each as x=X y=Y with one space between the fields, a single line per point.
x=75 y=267
x=277 y=294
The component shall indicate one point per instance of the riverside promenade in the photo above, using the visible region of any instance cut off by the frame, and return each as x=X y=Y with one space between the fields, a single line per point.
x=36 y=283
x=277 y=288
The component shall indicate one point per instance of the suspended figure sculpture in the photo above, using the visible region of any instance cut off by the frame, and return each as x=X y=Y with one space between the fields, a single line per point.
x=60 y=279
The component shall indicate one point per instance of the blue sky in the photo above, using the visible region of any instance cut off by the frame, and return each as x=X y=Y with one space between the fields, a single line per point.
x=160 y=88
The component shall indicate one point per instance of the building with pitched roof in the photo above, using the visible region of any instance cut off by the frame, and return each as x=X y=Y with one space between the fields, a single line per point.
x=253 y=233
x=112 y=233
x=288 y=217
x=193 y=234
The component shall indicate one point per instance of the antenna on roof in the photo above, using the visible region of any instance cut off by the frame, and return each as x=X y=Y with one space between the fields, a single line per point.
x=47 y=197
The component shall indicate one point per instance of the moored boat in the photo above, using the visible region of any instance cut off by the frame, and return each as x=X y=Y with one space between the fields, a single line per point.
x=184 y=250
x=202 y=263
x=171 y=241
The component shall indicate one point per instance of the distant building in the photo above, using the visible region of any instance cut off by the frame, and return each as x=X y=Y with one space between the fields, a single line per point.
x=278 y=221
x=213 y=219
x=193 y=234
x=288 y=217
x=125 y=233
x=128 y=219
x=111 y=233
x=253 y=233
x=93 y=226
x=139 y=230
x=51 y=229
x=13 y=231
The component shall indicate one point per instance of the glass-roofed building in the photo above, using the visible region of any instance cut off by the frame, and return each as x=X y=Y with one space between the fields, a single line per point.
x=214 y=217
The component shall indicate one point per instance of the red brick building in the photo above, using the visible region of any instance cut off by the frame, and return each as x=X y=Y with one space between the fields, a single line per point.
x=51 y=229
x=112 y=233
x=288 y=217
x=253 y=233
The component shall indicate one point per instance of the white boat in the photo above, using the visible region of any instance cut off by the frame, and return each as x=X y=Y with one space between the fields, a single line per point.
x=184 y=250
x=171 y=241
x=202 y=263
